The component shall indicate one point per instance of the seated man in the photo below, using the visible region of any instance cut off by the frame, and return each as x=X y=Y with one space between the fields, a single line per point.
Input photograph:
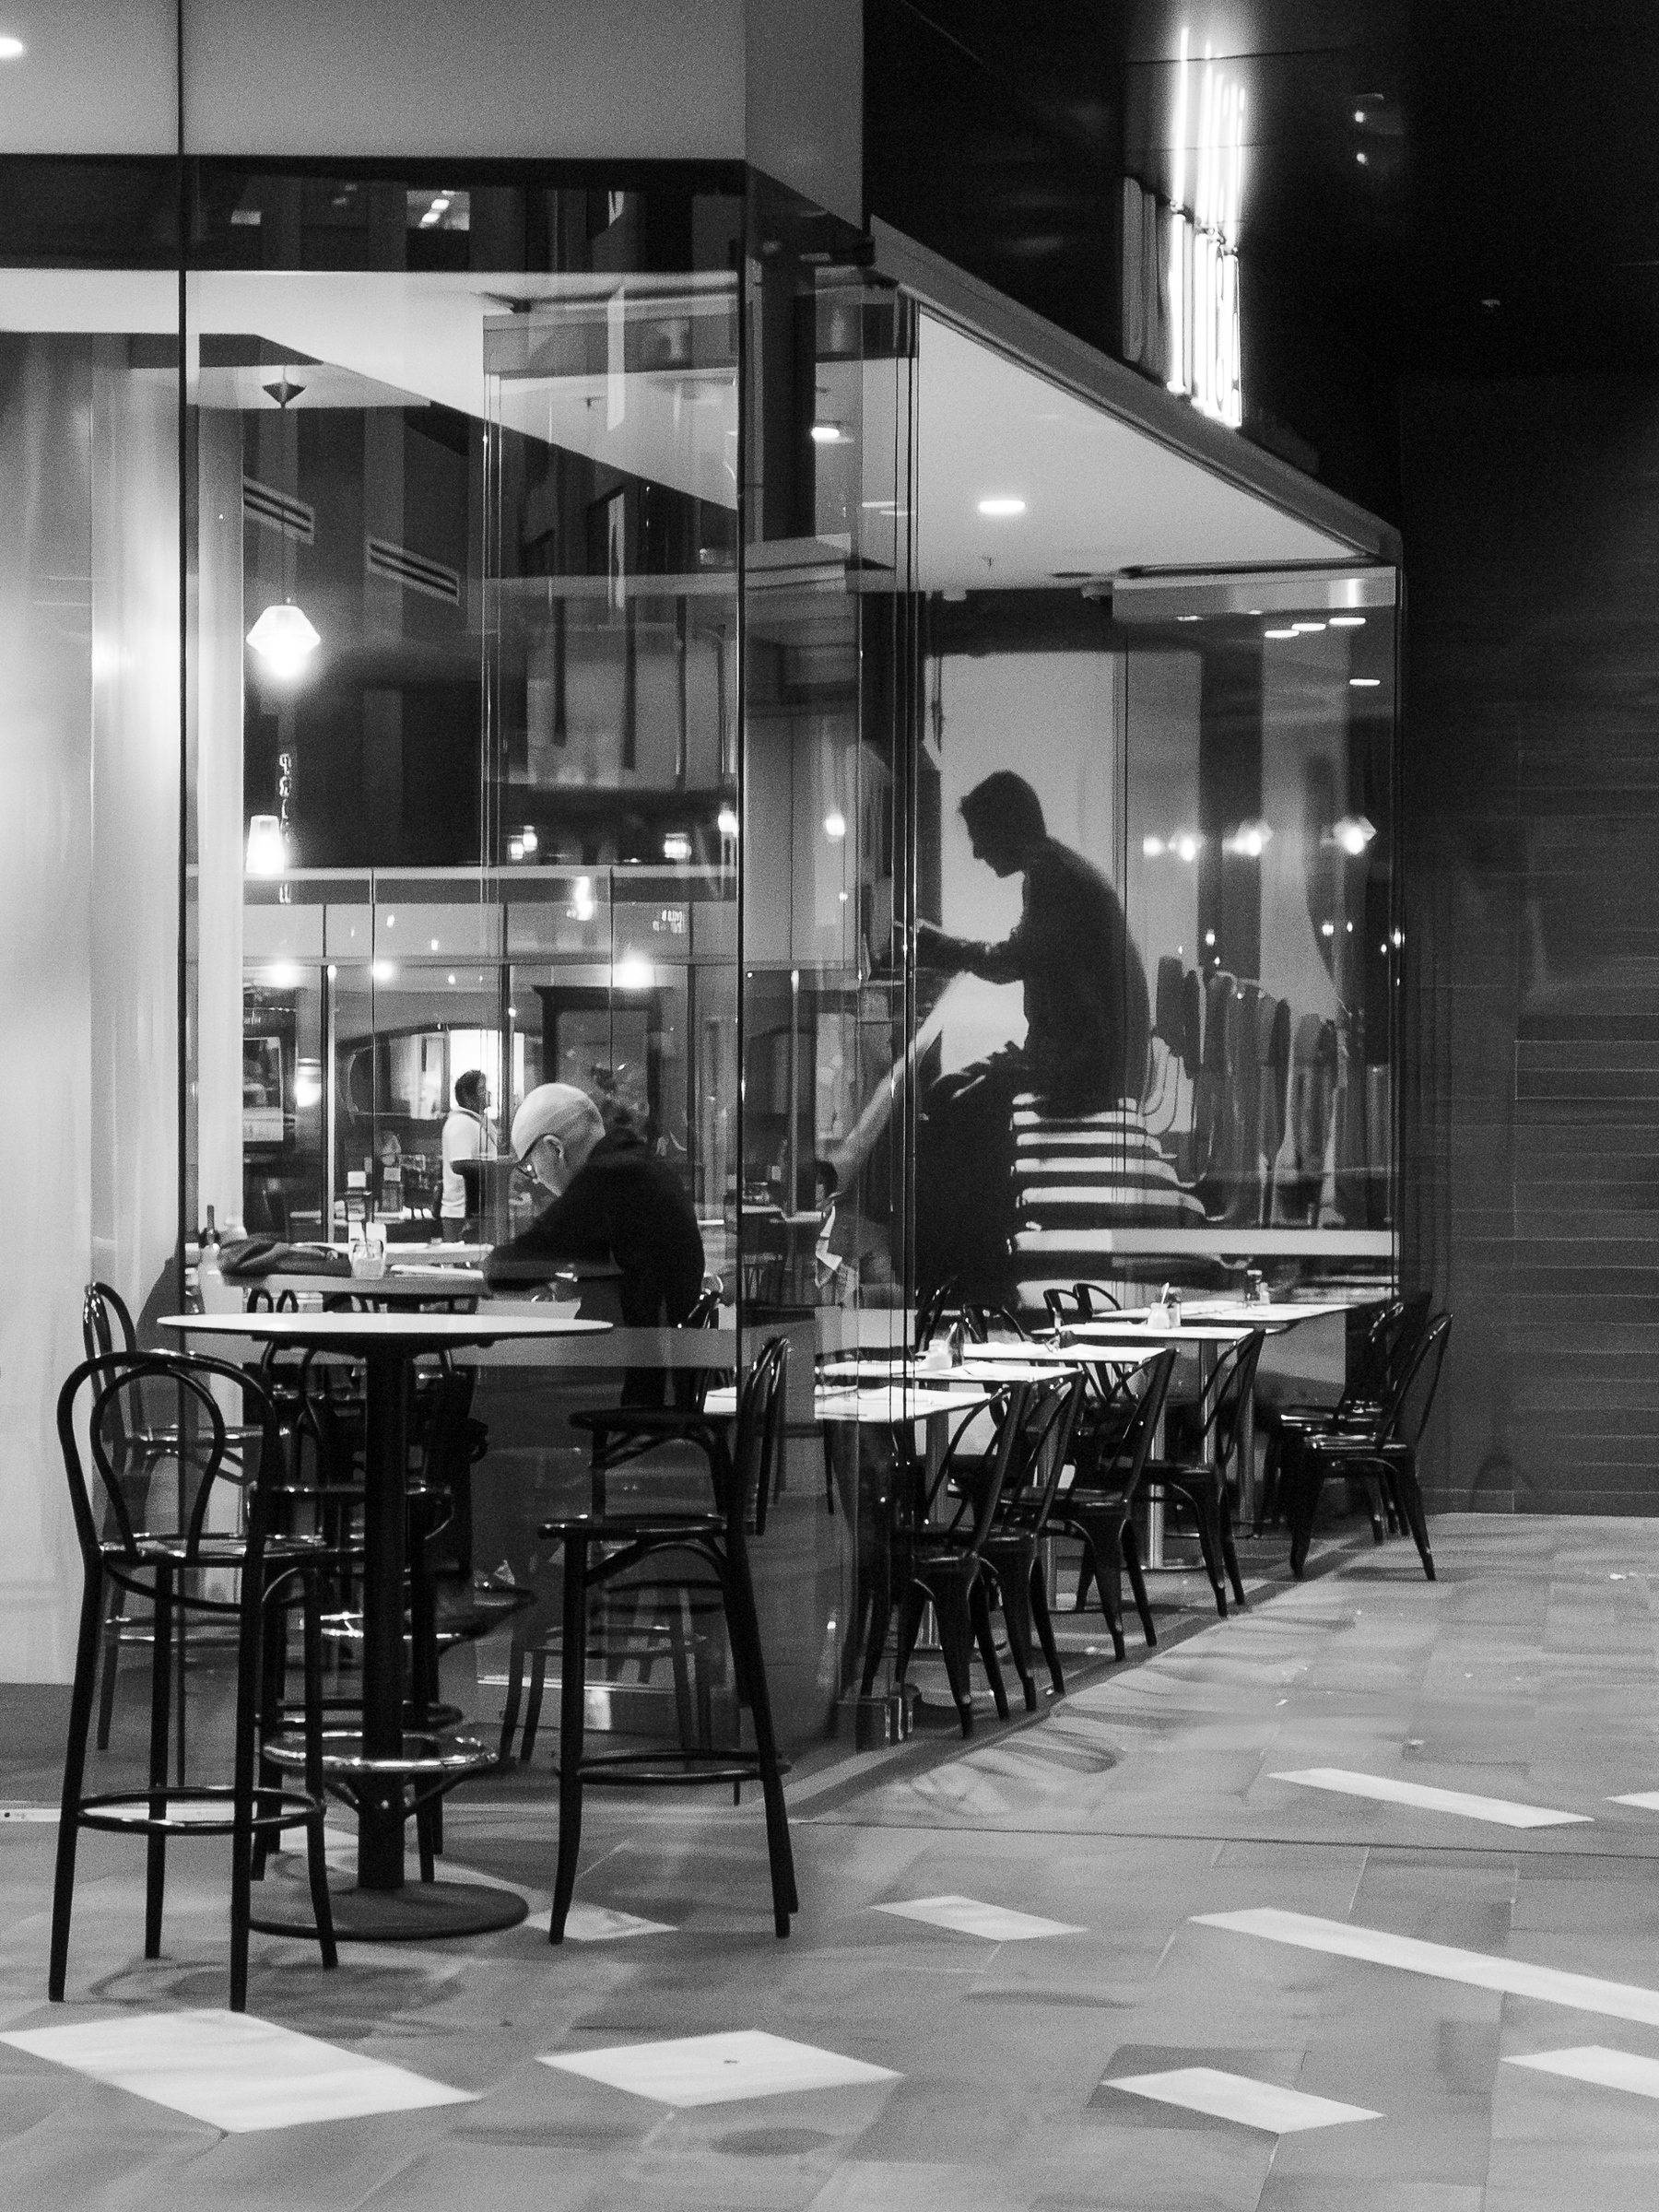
x=610 y=1199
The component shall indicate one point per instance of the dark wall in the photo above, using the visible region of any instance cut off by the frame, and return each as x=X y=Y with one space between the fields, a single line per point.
x=1531 y=730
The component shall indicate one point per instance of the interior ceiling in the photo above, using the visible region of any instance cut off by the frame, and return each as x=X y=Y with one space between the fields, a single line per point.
x=1100 y=494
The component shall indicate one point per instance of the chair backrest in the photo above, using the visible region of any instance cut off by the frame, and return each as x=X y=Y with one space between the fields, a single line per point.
x=759 y=1437
x=1407 y=1415
x=106 y=1325
x=1227 y=1395
x=107 y=1392
x=1116 y=1453
x=983 y=1321
x=929 y=1311
x=1083 y=1302
x=986 y=1494
x=1044 y=1450
x=696 y=1384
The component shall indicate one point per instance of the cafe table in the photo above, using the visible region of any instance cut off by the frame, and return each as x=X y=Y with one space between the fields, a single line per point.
x=379 y=1908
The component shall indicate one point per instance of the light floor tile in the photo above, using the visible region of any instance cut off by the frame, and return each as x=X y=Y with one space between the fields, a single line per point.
x=234 y=2071
x=1388 y=1791
x=1594 y=2062
x=598 y=1924
x=968 y=1916
x=1262 y=2104
x=719 y=2069
x=47 y=1815
x=1376 y=1946
x=1646 y=1800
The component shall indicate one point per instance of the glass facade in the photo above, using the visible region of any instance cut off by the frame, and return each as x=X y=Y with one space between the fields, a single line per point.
x=615 y=638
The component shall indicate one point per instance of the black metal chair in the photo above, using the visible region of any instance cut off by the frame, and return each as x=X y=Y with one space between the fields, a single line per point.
x=601 y=1549
x=162 y=1568
x=1097 y=1506
x=1386 y=1348
x=1200 y=1478
x=1384 y=1459
x=1013 y=1550
x=1080 y=1303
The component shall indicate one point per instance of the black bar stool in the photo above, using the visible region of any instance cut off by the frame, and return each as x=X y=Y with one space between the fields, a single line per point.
x=741 y=1475
x=161 y=1568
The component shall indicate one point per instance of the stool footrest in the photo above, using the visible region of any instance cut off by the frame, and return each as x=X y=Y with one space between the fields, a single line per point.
x=107 y=1811
x=425 y=1755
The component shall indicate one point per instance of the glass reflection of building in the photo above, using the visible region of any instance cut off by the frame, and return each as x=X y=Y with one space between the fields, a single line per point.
x=679 y=556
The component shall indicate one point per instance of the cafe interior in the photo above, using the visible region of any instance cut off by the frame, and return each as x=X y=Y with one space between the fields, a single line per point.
x=631 y=636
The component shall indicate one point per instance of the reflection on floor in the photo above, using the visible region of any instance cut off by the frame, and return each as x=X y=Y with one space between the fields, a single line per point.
x=1247 y=1925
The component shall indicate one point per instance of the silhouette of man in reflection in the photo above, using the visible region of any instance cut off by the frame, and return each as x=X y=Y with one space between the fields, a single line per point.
x=1088 y=1034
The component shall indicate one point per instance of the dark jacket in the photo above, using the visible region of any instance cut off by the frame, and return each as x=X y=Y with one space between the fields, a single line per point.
x=1088 y=1020
x=623 y=1205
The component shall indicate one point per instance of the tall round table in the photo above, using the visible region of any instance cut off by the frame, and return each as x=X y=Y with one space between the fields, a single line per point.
x=380 y=1907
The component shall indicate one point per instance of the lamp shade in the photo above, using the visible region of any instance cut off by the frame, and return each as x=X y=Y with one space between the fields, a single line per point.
x=267 y=848
x=283 y=639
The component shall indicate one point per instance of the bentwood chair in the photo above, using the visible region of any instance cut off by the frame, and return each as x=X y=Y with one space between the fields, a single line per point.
x=1384 y=1458
x=1097 y=1506
x=172 y=1570
x=603 y=1548
x=1201 y=1478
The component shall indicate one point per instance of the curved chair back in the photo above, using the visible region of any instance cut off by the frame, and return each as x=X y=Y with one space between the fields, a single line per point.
x=704 y=1314
x=758 y=1441
x=107 y=1391
x=106 y=1325
x=986 y=1497
x=1044 y=1450
x=1407 y=1415
x=1228 y=1396
x=1116 y=1452
x=1083 y=1302
x=929 y=1311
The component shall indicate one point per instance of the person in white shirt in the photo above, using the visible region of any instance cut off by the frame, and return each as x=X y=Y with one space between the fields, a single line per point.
x=467 y=1135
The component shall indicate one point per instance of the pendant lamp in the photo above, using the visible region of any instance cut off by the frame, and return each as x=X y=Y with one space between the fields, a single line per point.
x=284 y=637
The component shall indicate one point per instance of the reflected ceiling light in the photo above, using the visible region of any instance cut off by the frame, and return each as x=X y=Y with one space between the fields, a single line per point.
x=632 y=975
x=726 y=821
x=1359 y=114
x=676 y=846
x=582 y=898
x=308 y=1082
x=1306 y=628
x=1360 y=158
x=1189 y=618
x=529 y=839
x=1185 y=846
x=267 y=848
x=1278 y=633
x=1249 y=840
x=1152 y=847
x=391 y=921
x=11 y=48
x=1347 y=621
x=1000 y=506
x=1353 y=833
x=835 y=824
x=333 y=971
x=283 y=975
x=826 y=433
x=451 y=978
x=513 y=1013
x=434 y=944
x=382 y=970
x=1327 y=929
x=283 y=639
x=1363 y=683
x=515 y=848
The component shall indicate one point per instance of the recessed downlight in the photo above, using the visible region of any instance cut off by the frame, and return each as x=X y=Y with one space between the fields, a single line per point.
x=826 y=433
x=11 y=48
x=1278 y=633
x=1347 y=621
x=1363 y=683
x=1001 y=506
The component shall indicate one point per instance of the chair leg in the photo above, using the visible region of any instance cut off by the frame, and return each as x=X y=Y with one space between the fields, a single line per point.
x=1015 y=1583
x=75 y=1766
x=1408 y=1492
x=538 y=1682
x=1267 y=1503
x=1129 y=1550
x=111 y=1663
x=910 y=1628
x=1088 y=1571
x=154 y=1871
x=1309 y=1482
x=572 y=1717
x=1204 y=1516
x=316 y=1850
x=681 y=1666
x=978 y=1612
x=744 y=1627
x=424 y=1839
x=956 y=1644
x=181 y=1636
x=1229 y=1551
x=1045 y=1628
x=509 y=1710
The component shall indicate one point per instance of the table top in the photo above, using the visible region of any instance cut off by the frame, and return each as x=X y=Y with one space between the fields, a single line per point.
x=1006 y=1353
x=998 y=1371
x=1277 y=1313
x=884 y=1406
x=416 y=1329
x=1130 y=1328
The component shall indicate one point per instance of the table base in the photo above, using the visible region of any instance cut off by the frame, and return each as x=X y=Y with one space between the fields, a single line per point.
x=417 y=1912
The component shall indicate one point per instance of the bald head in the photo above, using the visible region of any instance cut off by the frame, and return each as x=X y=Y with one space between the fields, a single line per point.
x=553 y=1133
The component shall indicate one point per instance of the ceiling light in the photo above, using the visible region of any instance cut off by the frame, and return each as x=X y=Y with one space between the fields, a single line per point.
x=726 y=821
x=835 y=824
x=267 y=848
x=283 y=975
x=1353 y=833
x=1185 y=846
x=383 y=971
x=1152 y=847
x=1249 y=840
x=391 y=921
x=1327 y=929
x=826 y=433
x=1189 y=618
x=1278 y=633
x=283 y=639
x=632 y=975
x=1363 y=683
x=513 y=1013
x=1347 y=621
x=1360 y=158
x=308 y=1082
x=676 y=846
x=515 y=848
x=1002 y=506
x=11 y=48
x=529 y=839
x=333 y=971
x=1359 y=114
x=582 y=898
x=1306 y=628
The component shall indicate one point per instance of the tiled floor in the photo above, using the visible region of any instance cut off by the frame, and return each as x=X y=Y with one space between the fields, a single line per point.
x=1247 y=1925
